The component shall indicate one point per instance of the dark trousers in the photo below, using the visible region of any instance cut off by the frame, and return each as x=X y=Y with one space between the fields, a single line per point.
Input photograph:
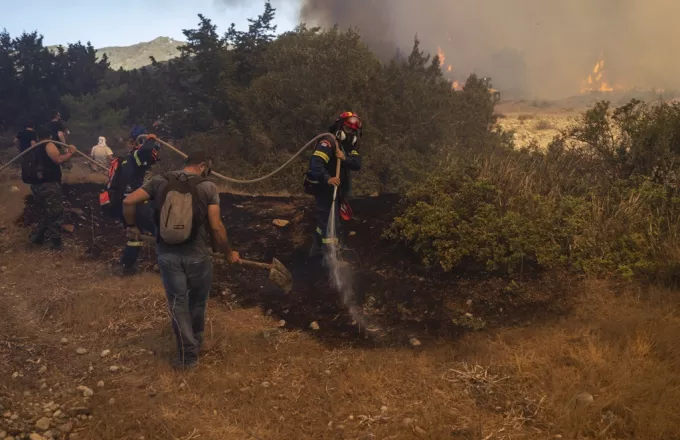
x=323 y=201
x=50 y=202
x=144 y=219
x=187 y=280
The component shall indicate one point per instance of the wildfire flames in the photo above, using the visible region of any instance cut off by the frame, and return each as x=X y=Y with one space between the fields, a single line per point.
x=597 y=80
x=449 y=69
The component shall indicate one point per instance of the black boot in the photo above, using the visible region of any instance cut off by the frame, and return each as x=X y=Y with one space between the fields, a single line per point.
x=57 y=245
x=38 y=237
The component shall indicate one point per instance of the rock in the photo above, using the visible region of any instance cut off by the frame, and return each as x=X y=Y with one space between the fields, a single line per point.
x=15 y=375
x=327 y=372
x=105 y=353
x=87 y=392
x=80 y=410
x=14 y=189
x=340 y=427
x=282 y=323
x=57 y=414
x=414 y=342
x=100 y=384
x=314 y=325
x=352 y=233
x=43 y=386
x=43 y=424
x=468 y=302
x=383 y=408
x=112 y=401
x=265 y=384
x=407 y=422
x=281 y=223
x=35 y=436
x=14 y=416
x=81 y=351
x=74 y=436
x=420 y=431
x=3 y=268
x=64 y=341
x=3 y=434
x=48 y=434
x=585 y=398
x=42 y=369
x=27 y=394
x=113 y=368
x=182 y=386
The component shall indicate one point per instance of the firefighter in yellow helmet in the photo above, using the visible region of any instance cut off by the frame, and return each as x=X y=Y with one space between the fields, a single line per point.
x=320 y=179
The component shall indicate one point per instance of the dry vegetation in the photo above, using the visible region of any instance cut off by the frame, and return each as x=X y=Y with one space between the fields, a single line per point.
x=617 y=347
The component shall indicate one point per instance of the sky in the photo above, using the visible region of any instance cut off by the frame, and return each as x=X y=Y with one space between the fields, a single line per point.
x=125 y=22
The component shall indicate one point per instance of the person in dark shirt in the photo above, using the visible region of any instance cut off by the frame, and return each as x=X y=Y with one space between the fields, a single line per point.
x=26 y=138
x=57 y=128
x=47 y=191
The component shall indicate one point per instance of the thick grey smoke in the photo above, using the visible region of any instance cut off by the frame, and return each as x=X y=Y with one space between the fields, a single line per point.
x=546 y=48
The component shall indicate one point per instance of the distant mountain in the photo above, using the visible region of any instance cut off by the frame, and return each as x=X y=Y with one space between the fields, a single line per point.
x=137 y=55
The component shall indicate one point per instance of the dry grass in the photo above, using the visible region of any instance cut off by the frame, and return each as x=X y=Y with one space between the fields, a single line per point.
x=265 y=383
x=544 y=124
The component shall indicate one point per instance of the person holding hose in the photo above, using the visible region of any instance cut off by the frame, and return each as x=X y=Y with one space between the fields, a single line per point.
x=41 y=168
x=321 y=181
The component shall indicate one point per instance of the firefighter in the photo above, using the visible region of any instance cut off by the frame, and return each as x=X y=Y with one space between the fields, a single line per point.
x=126 y=175
x=321 y=181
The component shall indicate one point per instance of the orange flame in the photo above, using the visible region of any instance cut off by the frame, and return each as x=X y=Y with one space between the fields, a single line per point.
x=597 y=81
x=441 y=55
x=450 y=68
x=456 y=86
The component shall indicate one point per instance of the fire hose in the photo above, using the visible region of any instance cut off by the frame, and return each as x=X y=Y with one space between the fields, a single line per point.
x=259 y=179
x=181 y=153
x=32 y=147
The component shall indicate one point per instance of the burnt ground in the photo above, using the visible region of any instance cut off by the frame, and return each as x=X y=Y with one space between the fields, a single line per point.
x=399 y=295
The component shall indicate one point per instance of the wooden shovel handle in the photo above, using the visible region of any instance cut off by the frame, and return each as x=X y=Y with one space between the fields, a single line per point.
x=150 y=240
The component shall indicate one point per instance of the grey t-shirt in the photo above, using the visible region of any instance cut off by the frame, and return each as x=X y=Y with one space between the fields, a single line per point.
x=207 y=195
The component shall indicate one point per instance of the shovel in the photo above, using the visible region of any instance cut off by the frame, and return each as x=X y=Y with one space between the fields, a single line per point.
x=278 y=273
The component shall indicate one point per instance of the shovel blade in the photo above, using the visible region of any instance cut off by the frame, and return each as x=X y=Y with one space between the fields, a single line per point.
x=281 y=276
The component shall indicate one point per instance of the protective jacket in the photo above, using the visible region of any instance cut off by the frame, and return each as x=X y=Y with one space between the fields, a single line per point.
x=322 y=166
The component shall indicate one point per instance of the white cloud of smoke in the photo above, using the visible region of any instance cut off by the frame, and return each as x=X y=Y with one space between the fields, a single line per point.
x=545 y=48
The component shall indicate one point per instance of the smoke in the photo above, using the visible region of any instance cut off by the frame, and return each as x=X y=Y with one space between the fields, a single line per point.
x=544 y=48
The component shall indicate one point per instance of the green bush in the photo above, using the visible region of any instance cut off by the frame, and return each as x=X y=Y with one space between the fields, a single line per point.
x=516 y=211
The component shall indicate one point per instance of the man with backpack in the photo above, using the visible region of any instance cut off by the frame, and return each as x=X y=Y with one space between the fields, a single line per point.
x=321 y=181
x=26 y=138
x=187 y=214
x=41 y=168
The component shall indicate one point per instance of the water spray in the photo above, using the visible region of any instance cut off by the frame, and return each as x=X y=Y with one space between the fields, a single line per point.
x=340 y=272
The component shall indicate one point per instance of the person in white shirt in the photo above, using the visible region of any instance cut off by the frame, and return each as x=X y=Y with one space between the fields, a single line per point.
x=101 y=152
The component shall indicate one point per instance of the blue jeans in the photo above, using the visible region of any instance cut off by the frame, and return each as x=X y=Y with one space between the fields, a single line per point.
x=187 y=280
x=144 y=219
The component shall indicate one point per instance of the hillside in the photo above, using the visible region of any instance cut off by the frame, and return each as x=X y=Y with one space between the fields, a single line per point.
x=137 y=55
